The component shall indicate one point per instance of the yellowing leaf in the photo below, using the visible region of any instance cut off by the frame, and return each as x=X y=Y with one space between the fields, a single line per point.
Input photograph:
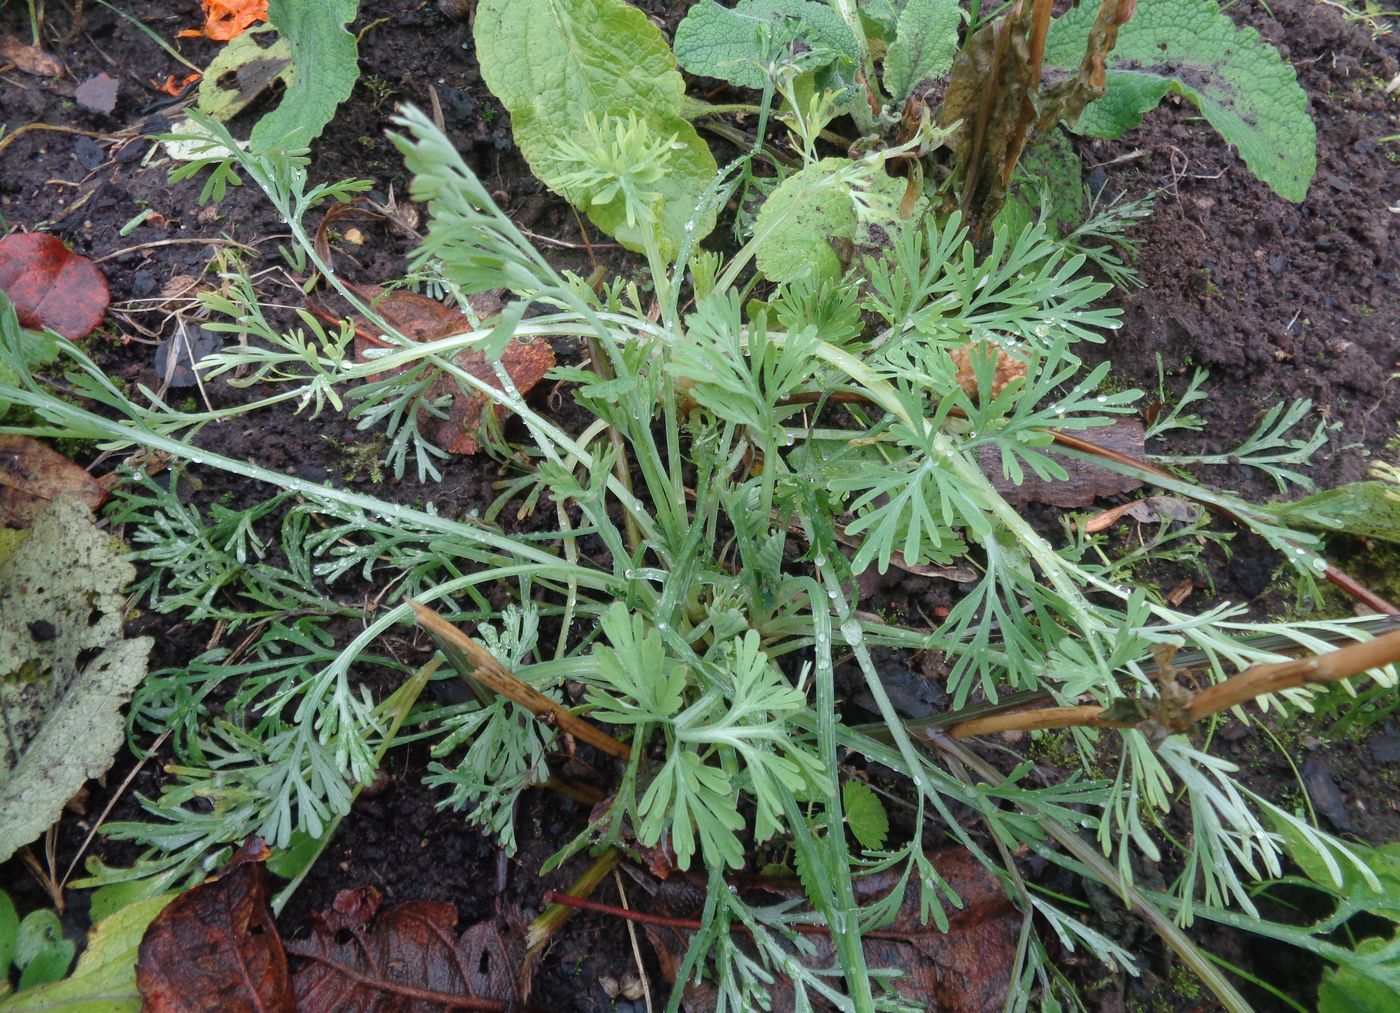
x=105 y=979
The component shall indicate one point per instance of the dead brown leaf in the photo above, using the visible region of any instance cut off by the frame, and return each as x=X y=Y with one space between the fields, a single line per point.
x=51 y=286
x=1086 y=482
x=424 y=319
x=1146 y=511
x=966 y=969
x=98 y=93
x=33 y=474
x=216 y=948
x=406 y=957
x=30 y=59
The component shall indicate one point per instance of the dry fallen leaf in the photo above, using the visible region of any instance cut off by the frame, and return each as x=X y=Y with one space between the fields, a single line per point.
x=406 y=957
x=51 y=286
x=424 y=319
x=966 y=969
x=30 y=59
x=32 y=475
x=98 y=93
x=226 y=19
x=216 y=947
x=1008 y=368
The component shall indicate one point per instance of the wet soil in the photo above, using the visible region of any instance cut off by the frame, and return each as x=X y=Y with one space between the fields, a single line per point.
x=1278 y=301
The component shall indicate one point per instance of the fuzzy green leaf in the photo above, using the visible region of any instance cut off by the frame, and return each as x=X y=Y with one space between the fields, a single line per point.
x=809 y=210
x=553 y=62
x=1238 y=81
x=65 y=670
x=736 y=44
x=41 y=952
x=105 y=979
x=325 y=66
x=865 y=815
x=926 y=40
x=1368 y=983
x=9 y=933
x=1369 y=509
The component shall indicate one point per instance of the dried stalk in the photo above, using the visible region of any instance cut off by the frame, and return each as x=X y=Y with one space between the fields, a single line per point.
x=494 y=676
x=1255 y=681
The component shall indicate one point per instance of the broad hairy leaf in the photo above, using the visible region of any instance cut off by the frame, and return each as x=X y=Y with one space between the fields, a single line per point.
x=325 y=66
x=925 y=42
x=735 y=44
x=1369 y=509
x=809 y=210
x=65 y=669
x=865 y=814
x=105 y=979
x=1367 y=984
x=1239 y=82
x=552 y=63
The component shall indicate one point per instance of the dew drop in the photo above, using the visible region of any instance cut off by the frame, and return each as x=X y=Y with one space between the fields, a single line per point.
x=1101 y=399
x=1319 y=564
x=820 y=560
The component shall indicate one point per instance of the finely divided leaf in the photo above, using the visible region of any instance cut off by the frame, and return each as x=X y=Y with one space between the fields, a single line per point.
x=1239 y=82
x=737 y=44
x=926 y=39
x=325 y=66
x=551 y=62
x=65 y=670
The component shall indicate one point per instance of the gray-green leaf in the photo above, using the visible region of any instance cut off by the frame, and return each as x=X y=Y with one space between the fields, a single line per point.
x=1238 y=81
x=926 y=40
x=736 y=44
x=65 y=669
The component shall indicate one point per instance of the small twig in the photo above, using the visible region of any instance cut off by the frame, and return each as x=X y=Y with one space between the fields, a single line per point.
x=210 y=241
x=1256 y=681
x=632 y=935
x=486 y=670
x=104 y=134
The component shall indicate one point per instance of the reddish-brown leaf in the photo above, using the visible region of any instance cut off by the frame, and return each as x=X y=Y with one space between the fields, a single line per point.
x=424 y=319
x=32 y=474
x=30 y=59
x=215 y=948
x=51 y=286
x=964 y=970
x=407 y=958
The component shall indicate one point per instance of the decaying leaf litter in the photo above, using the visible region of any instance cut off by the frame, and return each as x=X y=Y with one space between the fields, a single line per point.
x=899 y=595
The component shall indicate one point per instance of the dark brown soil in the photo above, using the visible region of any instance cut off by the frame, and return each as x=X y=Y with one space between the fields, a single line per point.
x=1278 y=301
